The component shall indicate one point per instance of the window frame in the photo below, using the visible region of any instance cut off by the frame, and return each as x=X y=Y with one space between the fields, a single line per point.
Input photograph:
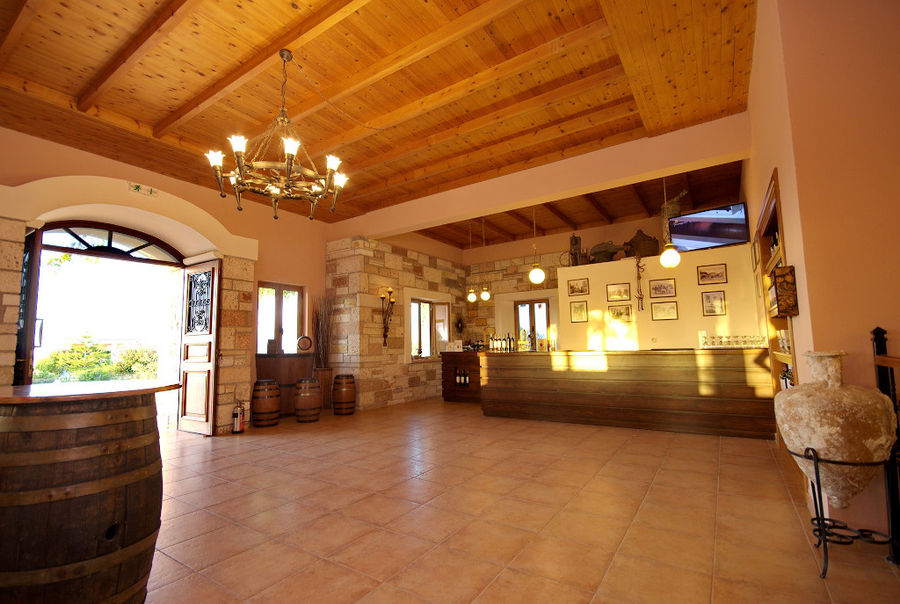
x=531 y=303
x=302 y=326
x=417 y=325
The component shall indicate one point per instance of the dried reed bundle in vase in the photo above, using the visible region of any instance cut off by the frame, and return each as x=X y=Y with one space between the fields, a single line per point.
x=323 y=316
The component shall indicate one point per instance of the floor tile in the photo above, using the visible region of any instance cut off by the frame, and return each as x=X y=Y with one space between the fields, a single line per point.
x=286 y=518
x=379 y=509
x=210 y=548
x=464 y=500
x=522 y=514
x=321 y=582
x=430 y=523
x=444 y=575
x=327 y=534
x=184 y=527
x=490 y=541
x=194 y=588
x=640 y=580
x=516 y=586
x=257 y=568
x=577 y=564
x=165 y=570
x=594 y=530
x=669 y=547
x=381 y=554
x=416 y=489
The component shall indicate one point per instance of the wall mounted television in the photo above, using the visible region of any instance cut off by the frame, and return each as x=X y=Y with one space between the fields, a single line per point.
x=710 y=228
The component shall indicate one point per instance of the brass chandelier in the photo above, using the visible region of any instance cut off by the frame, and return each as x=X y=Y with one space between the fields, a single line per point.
x=278 y=179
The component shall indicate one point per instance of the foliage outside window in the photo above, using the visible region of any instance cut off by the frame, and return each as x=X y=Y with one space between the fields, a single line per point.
x=86 y=361
x=429 y=324
x=279 y=317
x=532 y=317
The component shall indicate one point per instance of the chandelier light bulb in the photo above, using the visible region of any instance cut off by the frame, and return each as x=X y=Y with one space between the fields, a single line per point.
x=340 y=180
x=215 y=158
x=332 y=162
x=471 y=297
x=290 y=146
x=238 y=143
x=485 y=294
x=537 y=275
x=670 y=256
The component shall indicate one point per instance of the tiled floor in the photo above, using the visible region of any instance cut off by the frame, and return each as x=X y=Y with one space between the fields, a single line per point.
x=434 y=502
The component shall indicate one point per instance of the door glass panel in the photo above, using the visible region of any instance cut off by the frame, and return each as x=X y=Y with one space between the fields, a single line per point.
x=93 y=237
x=523 y=313
x=290 y=302
x=61 y=238
x=414 y=322
x=442 y=322
x=540 y=320
x=265 y=319
x=426 y=329
x=124 y=242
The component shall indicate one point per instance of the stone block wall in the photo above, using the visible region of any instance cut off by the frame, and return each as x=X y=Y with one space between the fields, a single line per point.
x=502 y=277
x=12 y=242
x=357 y=271
x=234 y=365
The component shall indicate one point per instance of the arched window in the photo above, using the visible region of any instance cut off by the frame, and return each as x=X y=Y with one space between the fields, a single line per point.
x=109 y=241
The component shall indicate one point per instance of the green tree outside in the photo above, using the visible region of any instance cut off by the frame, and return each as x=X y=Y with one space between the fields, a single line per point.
x=86 y=361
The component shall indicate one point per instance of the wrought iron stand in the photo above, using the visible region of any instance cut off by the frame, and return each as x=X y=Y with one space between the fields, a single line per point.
x=830 y=530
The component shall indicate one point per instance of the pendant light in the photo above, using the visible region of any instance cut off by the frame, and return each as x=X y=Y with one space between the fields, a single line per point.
x=537 y=274
x=485 y=294
x=670 y=256
x=471 y=297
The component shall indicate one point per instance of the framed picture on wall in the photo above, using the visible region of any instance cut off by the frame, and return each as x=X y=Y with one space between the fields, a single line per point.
x=578 y=312
x=707 y=274
x=579 y=287
x=713 y=303
x=662 y=288
x=618 y=292
x=620 y=312
x=664 y=311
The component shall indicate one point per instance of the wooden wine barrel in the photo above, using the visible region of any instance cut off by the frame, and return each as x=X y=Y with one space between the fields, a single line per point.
x=343 y=398
x=308 y=400
x=265 y=406
x=80 y=496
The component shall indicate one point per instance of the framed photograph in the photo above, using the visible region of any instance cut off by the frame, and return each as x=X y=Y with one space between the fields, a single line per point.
x=620 y=312
x=713 y=303
x=579 y=287
x=578 y=311
x=664 y=311
x=708 y=274
x=662 y=288
x=618 y=292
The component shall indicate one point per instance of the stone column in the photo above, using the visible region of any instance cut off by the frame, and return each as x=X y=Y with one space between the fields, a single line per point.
x=12 y=242
x=234 y=364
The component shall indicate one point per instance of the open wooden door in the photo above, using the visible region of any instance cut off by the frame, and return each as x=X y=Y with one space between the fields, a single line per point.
x=31 y=267
x=196 y=409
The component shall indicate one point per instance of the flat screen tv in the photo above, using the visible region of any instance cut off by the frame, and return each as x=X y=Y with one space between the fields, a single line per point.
x=710 y=228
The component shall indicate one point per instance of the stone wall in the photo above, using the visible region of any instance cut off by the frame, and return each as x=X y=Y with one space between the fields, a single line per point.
x=236 y=342
x=12 y=242
x=501 y=277
x=357 y=271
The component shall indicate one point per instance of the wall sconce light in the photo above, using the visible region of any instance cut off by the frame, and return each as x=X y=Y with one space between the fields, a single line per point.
x=485 y=294
x=387 y=311
x=471 y=297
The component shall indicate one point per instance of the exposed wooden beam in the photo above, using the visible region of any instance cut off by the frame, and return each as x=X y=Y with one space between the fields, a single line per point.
x=500 y=231
x=24 y=14
x=540 y=135
x=640 y=199
x=561 y=215
x=598 y=207
x=525 y=222
x=139 y=45
x=437 y=237
x=688 y=199
x=479 y=81
x=507 y=168
x=324 y=19
x=541 y=101
x=469 y=22
x=465 y=234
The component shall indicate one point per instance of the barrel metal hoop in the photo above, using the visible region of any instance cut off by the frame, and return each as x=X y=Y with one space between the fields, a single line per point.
x=75 y=570
x=80 y=489
x=127 y=594
x=70 y=421
x=36 y=458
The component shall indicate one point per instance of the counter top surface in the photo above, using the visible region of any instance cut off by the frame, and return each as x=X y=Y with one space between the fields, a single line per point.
x=73 y=391
x=616 y=352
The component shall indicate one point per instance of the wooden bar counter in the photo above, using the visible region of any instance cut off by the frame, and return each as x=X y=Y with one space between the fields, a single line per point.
x=80 y=490
x=721 y=392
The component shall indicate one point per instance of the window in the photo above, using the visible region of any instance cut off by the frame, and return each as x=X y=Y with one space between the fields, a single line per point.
x=429 y=326
x=278 y=317
x=532 y=317
x=107 y=241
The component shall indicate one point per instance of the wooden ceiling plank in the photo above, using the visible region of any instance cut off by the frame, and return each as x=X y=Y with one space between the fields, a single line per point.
x=440 y=238
x=688 y=199
x=561 y=215
x=525 y=222
x=500 y=231
x=327 y=17
x=640 y=199
x=539 y=135
x=598 y=207
x=460 y=27
x=25 y=13
x=480 y=81
x=157 y=28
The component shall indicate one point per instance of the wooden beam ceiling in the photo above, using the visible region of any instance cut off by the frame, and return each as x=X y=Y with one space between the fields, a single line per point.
x=25 y=12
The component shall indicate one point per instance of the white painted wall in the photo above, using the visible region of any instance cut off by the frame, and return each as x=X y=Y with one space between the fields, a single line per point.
x=599 y=333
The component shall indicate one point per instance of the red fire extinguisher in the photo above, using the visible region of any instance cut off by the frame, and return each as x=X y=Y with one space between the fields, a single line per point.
x=238 y=416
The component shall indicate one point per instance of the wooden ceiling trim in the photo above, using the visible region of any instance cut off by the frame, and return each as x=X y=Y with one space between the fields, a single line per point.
x=157 y=28
x=330 y=15
x=499 y=230
x=441 y=238
x=539 y=135
x=598 y=207
x=24 y=14
x=525 y=222
x=541 y=101
x=479 y=81
x=639 y=199
x=468 y=23
x=688 y=200
x=61 y=100
x=561 y=215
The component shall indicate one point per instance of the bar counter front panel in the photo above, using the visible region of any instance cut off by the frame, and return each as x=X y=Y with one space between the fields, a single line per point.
x=720 y=392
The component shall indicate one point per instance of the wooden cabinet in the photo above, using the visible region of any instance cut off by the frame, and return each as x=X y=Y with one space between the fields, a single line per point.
x=776 y=285
x=286 y=369
x=461 y=377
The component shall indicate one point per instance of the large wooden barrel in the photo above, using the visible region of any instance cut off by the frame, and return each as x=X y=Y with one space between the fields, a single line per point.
x=80 y=498
x=308 y=400
x=343 y=398
x=265 y=406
